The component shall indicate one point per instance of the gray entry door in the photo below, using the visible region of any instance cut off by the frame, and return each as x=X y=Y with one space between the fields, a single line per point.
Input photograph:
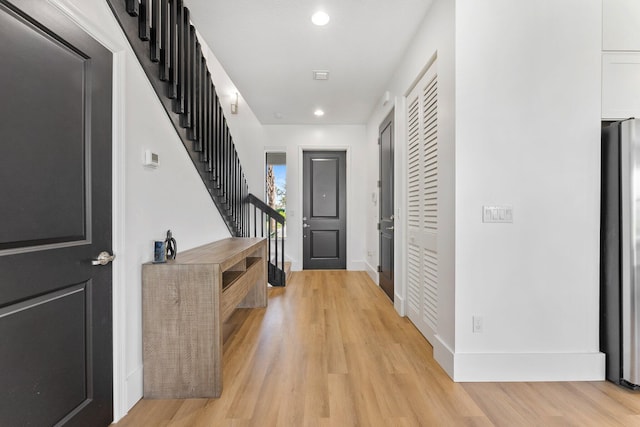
x=55 y=217
x=324 y=220
x=385 y=138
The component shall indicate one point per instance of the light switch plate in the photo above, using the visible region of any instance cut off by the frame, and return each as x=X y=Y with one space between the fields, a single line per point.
x=501 y=213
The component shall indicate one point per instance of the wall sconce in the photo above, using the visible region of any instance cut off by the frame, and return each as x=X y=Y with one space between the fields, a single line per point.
x=234 y=104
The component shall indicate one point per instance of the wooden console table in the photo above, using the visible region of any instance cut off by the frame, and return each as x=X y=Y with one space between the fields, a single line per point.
x=184 y=303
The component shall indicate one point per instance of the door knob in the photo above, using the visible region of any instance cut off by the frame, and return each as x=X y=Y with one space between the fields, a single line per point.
x=104 y=258
x=305 y=226
x=390 y=228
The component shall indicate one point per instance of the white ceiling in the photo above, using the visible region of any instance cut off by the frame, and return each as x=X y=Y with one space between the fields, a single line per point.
x=269 y=48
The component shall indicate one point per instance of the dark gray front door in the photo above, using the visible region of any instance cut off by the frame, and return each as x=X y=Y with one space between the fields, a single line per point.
x=386 y=205
x=324 y=233
x=55 y=217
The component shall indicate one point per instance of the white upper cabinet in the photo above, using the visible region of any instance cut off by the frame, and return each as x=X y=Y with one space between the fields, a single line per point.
x=620 y=59
x=620 y=85
x=621 y=25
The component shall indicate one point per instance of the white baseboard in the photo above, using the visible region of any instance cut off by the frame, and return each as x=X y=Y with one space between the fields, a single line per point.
x=399 y=305
x=357 y=265
x=134 y=388
x=443 y=355
x=371 y=271
x=480 y=367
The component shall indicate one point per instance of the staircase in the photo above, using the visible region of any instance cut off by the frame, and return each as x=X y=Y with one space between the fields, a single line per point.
x=164 y=41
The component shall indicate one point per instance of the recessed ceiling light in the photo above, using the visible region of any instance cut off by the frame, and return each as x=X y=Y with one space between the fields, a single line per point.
x=318 y=113
x=320 y=18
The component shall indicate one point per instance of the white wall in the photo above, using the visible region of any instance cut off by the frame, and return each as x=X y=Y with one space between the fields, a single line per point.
x=148 y=202
x=527 y=135
x=293 y=139
x=435 y=37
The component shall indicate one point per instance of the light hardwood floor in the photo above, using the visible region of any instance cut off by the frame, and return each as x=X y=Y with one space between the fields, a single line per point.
x=331 y=351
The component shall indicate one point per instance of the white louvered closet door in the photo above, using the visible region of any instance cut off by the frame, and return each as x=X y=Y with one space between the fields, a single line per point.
x=422 y=204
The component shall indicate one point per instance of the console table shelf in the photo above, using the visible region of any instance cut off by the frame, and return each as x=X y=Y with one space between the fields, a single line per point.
x=184 y=303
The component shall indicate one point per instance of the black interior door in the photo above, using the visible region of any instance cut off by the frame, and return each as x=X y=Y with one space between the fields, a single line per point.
x=324 y=221
x=386 y=206
x=55 y=187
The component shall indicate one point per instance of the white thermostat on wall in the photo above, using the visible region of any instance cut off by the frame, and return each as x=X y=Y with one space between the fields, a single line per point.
x=151 y=159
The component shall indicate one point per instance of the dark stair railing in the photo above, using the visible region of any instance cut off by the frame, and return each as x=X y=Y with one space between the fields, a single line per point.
x=273 y=220
x=164 y=41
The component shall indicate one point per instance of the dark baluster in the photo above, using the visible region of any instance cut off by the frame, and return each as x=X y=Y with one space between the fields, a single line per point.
x=193 y=79
x=216 y=140
x=178 y=105
x=232 y=191
x=243 y=210
x=246 y=192
x=164 y=40
x=224 y=173
x=202 y=74
x=223 y=153
x=195 y=97
x=243 y=213
x=185 y=118
x=237 y=190
x=154 y=34
x=276 y=241
x=219 y=143
x=255 y=221
x=232 y=162
x=212 y=95
x=284 y=277
x=143 y=20
x=230 y=186
x=172 y=89
x=232 y=182
x=205 y=117
x=212 y=136
x=230 y=166
x=268 y=241
x=133 y=7
x=261 y=223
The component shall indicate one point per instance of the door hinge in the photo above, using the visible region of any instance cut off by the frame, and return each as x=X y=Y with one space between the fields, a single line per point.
x=379 y=140
x=379 y=184
x=379 y=269
x=378 y=226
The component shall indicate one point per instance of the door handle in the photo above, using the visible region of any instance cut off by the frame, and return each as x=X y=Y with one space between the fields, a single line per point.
x=388 y=219
x=104 y=258
x=305 y=226
x=390 y=228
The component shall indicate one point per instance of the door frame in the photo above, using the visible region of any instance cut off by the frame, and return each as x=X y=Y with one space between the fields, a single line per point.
x=390 y=119
x=297 y=222
x=118 y=50
x=399 y=200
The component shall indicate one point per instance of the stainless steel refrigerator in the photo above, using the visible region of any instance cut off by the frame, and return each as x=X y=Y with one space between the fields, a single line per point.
x=620 y=252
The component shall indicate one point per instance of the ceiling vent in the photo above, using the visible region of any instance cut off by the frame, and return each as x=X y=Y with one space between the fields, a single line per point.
x=320 y=75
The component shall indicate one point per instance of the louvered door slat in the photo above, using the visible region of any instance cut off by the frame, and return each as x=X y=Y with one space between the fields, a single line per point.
x=422 y=204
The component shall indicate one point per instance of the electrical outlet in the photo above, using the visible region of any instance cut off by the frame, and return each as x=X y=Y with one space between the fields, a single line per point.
x=478 y=324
